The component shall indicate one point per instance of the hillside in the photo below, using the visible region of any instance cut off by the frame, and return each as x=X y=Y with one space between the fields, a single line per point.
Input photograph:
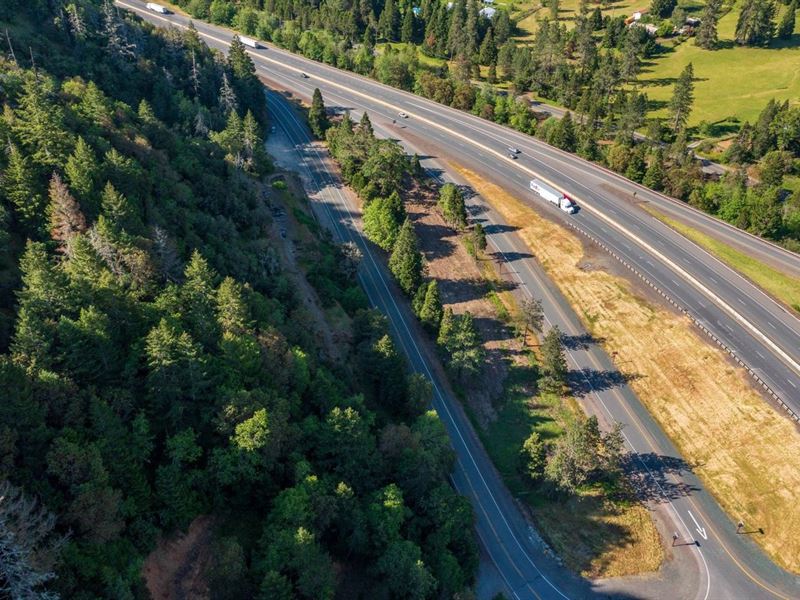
x=159 y=364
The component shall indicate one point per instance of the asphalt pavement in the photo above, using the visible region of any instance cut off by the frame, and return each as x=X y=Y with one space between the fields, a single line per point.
x=727 y=565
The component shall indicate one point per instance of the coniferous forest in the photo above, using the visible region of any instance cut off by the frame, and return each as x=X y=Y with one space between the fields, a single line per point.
x=157 y=364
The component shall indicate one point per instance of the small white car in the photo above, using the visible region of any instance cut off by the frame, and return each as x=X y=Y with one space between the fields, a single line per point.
x=402 y=115
x=513 y=150
x=303 y=75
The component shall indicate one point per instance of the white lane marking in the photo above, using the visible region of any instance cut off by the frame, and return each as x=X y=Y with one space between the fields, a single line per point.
x=424 y=363
x=771 y=325
x=791 y=383
x=700 y=530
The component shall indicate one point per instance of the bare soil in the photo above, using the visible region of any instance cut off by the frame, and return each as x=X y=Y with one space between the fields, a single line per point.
x=176 y=569
x=463 y=287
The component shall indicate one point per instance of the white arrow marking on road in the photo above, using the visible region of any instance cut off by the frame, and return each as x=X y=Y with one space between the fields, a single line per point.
x=700 y=530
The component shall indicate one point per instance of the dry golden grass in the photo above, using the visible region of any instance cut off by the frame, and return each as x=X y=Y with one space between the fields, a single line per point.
x=746 y=453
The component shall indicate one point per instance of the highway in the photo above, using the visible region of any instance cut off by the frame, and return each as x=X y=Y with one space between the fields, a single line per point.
x=725 y=565
x=760 y=331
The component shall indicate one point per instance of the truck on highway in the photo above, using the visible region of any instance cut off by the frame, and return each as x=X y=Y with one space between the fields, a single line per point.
x=250 y=42
x=157 y=8
x=553 y=195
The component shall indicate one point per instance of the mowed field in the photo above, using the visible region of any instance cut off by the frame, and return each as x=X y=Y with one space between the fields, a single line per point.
x=733 y=81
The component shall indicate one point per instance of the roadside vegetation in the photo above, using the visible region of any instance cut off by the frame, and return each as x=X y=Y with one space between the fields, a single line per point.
x=549 y=452
x=159 y=364
x=724 y=429
x=593 y=62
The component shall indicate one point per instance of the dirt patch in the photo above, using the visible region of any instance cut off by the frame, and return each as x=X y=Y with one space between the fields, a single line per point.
x=177 y=568
x=463 y=287
x=708 y=407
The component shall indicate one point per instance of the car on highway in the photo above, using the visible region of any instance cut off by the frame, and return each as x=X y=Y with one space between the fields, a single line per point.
x=513 y=150
x=402 y=115
x=303 y=76
x=512 y=155
x=157 y=8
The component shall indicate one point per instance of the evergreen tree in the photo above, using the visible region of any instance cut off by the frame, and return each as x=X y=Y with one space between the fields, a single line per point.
x=488 y=51
x=317 y=117
x=456 y=39
x=20 y=187
x=64 y=214
x=682 y=98
x=82 y=171
x=389 y=21
x=451 y=203
x=563 y=135
x=706 y=36
x=365 y=125
x=663 y=8
x=459 y=338
x=407 y=29
x=654 y=176
x=40 y=124
x=755 y=26
x=119 y=211
x=405 y=262
x=787 y=24
x=430 y=313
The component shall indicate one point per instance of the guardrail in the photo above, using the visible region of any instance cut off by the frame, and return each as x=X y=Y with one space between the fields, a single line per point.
x=768 y=390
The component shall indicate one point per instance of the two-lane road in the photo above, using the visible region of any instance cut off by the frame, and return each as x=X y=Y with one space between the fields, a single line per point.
x=735 y=569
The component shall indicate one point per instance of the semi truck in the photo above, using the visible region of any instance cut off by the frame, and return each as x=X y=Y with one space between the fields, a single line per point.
x=250 y=42
x=553 y=195
x=157 y=8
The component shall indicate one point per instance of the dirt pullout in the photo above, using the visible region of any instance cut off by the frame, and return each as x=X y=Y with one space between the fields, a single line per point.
x=177 y=568
x=463 y=287
x=746 y=452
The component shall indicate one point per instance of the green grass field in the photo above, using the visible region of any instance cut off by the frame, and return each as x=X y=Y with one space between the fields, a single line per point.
x=781 y=286
x=731 y=81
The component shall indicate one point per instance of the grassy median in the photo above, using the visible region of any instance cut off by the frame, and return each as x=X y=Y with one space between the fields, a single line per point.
x=774 y=282
x=746 y=453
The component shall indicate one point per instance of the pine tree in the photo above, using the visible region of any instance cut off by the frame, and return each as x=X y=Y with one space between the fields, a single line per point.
x=488 y=52
x=119 y=211
x=755 y=26
x=365 y=125
x=471 y=33
x=787 y=24
x=682 y=98
x=389 y=21
x=65 y=216
x=654 y=176
x=40 y=124
x=20 y=187
x=405 y=262
x=459 y=338
x=82 y=171
x=706 y=36
x=430 y=313
x=456 y=40
x=663 y=8
x=407 y=29
x=451 y=203
x=317 y=117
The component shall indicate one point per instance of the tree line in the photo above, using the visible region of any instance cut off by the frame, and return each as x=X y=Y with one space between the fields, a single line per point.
x=158 y=362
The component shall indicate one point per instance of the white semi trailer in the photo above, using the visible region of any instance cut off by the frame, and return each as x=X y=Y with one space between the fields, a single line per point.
x=157 y=8
x=553 y=195
x=250 y=42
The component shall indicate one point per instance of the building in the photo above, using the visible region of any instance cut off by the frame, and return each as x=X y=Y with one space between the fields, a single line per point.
x=487 y=12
